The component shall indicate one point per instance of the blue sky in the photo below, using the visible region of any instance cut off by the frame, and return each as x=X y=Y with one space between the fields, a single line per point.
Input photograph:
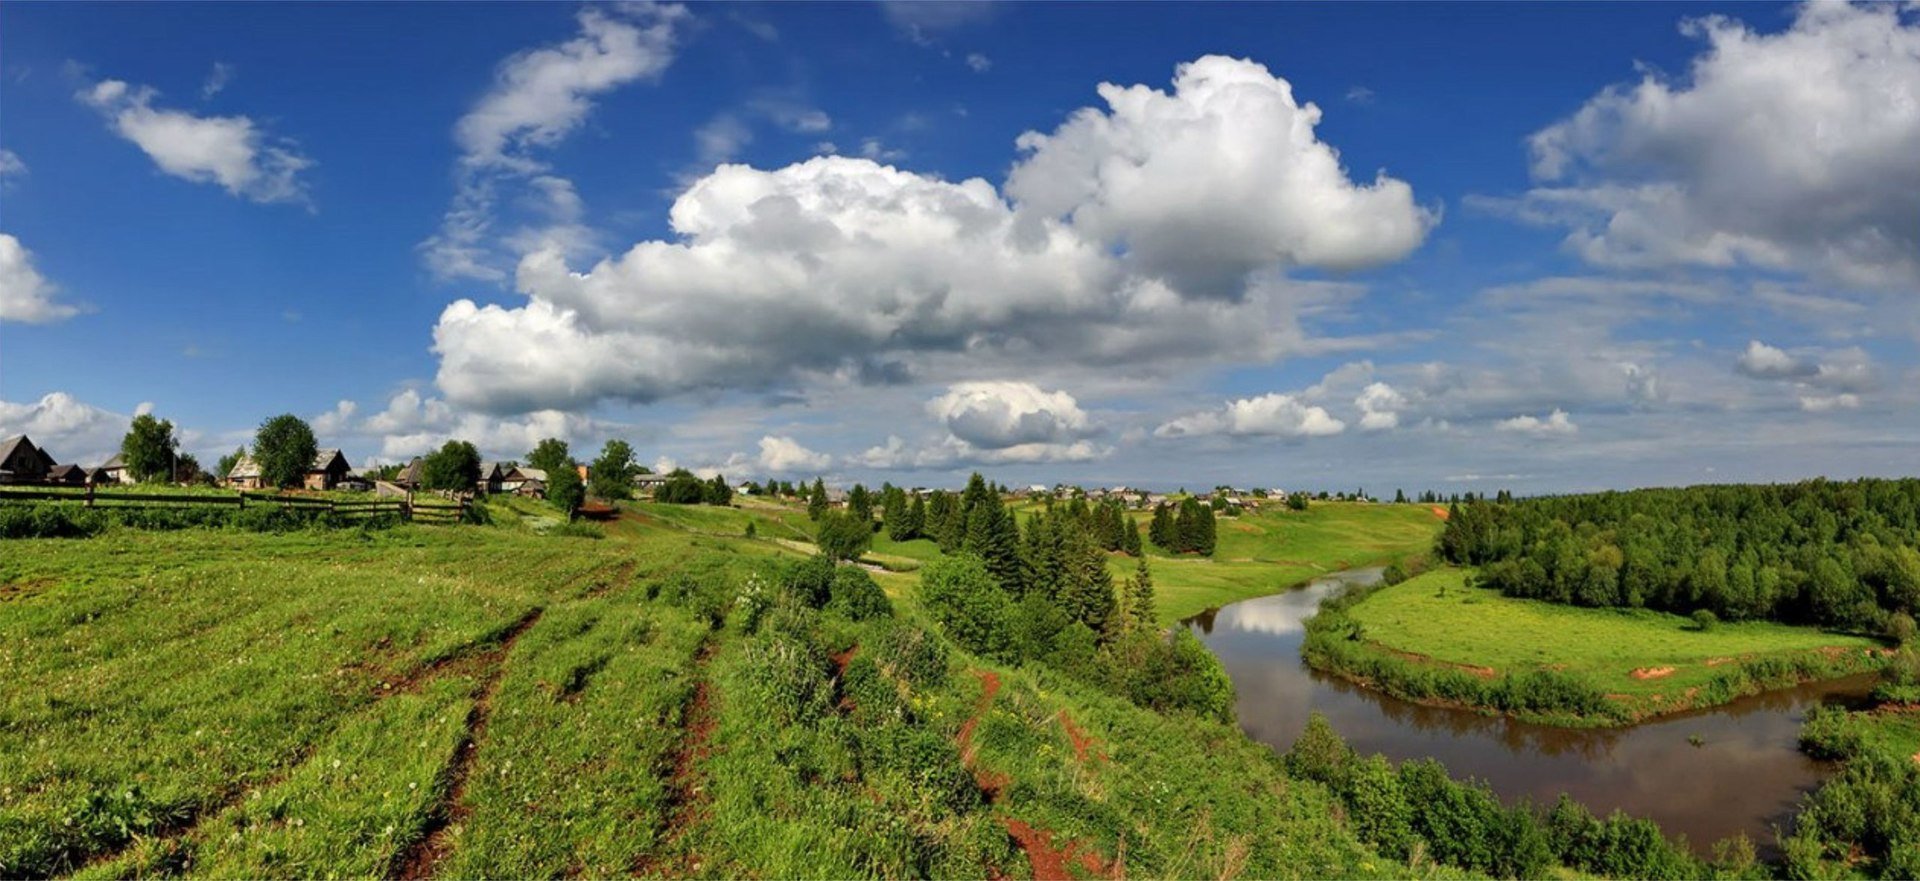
x=1545 y=247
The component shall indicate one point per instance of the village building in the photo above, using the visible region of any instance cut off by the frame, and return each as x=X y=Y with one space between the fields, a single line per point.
x=328 y=469
x=73 y=475
x=116 y=470
x=524 y=481
x=245 y=474
x=22 y=462
x=492 y=478
x=648 y=483
x=410 y=476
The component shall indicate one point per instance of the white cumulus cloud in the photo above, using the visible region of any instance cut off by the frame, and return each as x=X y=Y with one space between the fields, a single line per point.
x=1269 y=415
x=1555 y=424
x=25 y=295
x=71 y=431
x=231 y=151
x=1380 y=407
x=784 y=455
x=834 y=262
x=1786 y=151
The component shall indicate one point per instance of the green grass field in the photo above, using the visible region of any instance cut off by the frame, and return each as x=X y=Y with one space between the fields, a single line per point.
x=1268 y=552
x=1646 y=658
x=500 y=702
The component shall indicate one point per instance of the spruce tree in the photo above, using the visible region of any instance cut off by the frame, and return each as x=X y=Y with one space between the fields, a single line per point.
x=817 y=500
x=1160 y=531
x=894 y=512
x=1086 y=590
x=917 y=518
x=1140 y=605
x=1130 y=537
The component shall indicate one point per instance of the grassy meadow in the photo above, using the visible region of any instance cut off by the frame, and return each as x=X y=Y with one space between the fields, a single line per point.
x=1646 y=661
x=515 y=701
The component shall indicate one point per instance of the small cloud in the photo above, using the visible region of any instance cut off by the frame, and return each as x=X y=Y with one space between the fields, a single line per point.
x=290 y=316
x=1360 y=95
x=11 y=166
x=216 y=80
x=873 y=149
x=1556 y=424
x=757 y=27
x=1827 y=403
x=980 y=63
x=826 y=148
x=721 y=139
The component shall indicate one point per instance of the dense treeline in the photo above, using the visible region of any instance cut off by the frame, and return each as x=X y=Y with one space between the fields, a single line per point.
x=1184 y=529
x=1836 y=554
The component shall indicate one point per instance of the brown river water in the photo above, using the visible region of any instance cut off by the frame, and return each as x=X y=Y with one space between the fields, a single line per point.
x=1746 y=775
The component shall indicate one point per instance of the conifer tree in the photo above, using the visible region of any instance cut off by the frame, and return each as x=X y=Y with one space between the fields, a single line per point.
x=1140 y=605
x=817 y=500
x=894 y=512
x=917 y=518
x=1086 y=590
x=1130 y=537
x=1160 y=531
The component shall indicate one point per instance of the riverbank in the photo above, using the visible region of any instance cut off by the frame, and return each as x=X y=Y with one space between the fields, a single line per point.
x=1436 y=641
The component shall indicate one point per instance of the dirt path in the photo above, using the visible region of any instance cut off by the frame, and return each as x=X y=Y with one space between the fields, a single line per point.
x=423 y=858
x=1083 y=745
x=687 y=795
x=1048 y=860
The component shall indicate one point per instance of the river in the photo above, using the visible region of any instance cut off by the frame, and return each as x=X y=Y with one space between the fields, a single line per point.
x=1746 y=774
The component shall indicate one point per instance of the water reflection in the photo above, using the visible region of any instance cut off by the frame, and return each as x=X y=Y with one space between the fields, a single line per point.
x=1745 y=776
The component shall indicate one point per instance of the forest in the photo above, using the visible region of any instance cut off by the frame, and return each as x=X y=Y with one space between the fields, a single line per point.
x=1833 y=554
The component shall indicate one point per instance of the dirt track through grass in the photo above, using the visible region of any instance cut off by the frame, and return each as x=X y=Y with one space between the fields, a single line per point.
x=423 y=858
x=687 y=795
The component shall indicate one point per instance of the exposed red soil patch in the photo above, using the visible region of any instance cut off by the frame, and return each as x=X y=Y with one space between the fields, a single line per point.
x=1715 y=662
x=1440 y=512
x=1082 y=744
x=840 y=662
x=1651 y=672
x=1051 y=863
x=686 y=790
x=420 y=860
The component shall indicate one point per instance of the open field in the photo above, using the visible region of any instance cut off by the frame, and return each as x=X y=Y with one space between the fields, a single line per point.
x=1647 y=662
x=493 y=701
x=1273 y=550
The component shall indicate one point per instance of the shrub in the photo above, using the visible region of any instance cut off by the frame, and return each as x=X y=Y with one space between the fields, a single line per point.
x=1319 y=753
x=1704 y=620
x=855 y=595
x=810 y=580
x=842 y=536
x=752 y=603
x=874 y=698
x=968 y=603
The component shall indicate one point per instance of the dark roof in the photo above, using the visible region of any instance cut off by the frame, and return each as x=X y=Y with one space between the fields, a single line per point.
x=491 y=471
x=67 y=472
x=410 y=474
x=323 y=461
x=8 y=446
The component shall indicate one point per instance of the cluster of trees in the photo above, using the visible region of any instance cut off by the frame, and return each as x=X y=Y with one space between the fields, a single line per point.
x=683 y=487
x=1189 y=529
x=1416 y=808
x=1836 y=554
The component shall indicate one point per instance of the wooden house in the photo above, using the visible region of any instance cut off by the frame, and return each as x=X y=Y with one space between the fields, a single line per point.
x=22 y=462
x=71 y=475
x=410 y=477
x=245 y=474
x=328 y=469
x=493 y=478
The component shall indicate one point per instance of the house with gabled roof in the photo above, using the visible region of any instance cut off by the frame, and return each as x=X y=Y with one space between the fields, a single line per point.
x=22 y=462
x=328 y=469
x=245 y=474
x=116 y=470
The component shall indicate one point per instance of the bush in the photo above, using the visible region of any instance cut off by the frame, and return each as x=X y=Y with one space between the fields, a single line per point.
x=1704 y=620
x=855 y=595
x=968 y=603
x=1318 y=753
x=842 y=536
x=810 y=580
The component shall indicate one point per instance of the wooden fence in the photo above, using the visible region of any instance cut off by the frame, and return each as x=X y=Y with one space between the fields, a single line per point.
x=450 y=509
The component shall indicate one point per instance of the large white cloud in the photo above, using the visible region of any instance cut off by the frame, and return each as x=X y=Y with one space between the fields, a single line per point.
x=1269 y=415
x=538 y=98
x=1792 y=151
x=71 y=431
x=227 y=150
x=1380 y=406
x=1220 y=177
x=25 y=295
x=838 y=262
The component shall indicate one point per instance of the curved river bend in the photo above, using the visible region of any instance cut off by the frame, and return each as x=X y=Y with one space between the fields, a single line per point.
x=1746 y=775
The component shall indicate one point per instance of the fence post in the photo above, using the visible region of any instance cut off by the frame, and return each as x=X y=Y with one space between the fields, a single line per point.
x=89 y=493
